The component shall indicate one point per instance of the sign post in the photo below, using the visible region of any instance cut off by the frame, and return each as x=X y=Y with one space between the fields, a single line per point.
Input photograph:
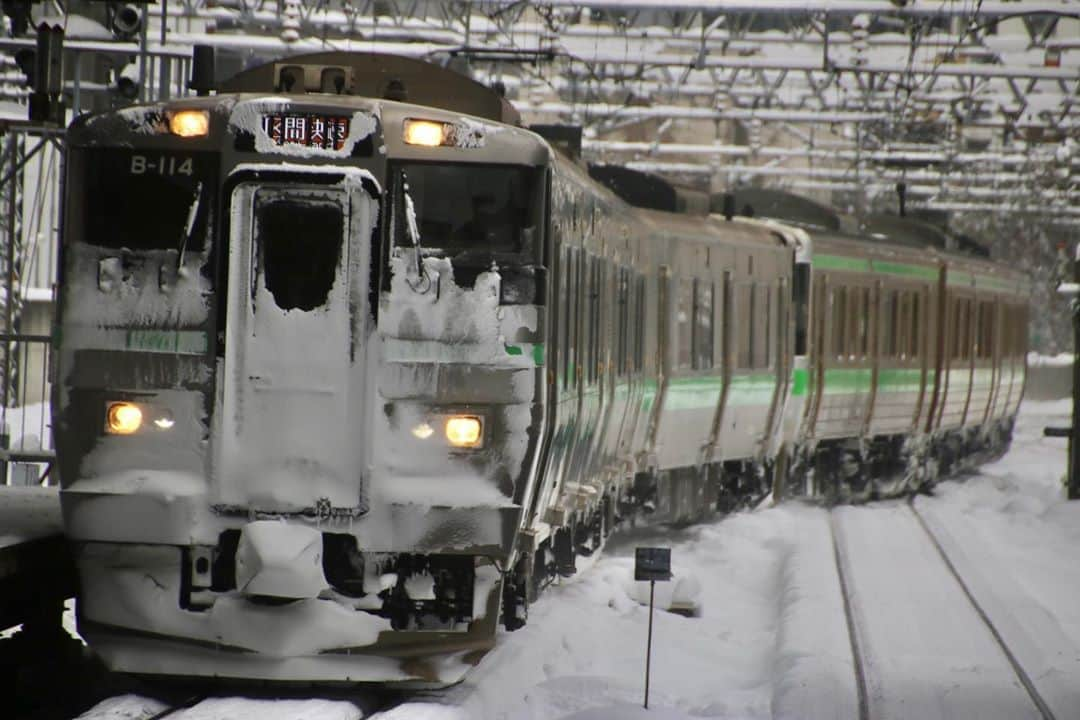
x=652 y=564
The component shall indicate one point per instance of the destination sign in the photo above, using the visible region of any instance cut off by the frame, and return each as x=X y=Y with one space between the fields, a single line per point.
x=327 y=132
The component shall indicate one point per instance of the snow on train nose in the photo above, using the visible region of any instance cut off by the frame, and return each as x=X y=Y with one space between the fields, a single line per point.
x=278 y=560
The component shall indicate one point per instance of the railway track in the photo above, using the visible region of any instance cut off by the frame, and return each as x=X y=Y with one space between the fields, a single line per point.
x=922 y=644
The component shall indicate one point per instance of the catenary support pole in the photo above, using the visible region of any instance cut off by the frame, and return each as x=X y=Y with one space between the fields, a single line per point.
x=1073 y=477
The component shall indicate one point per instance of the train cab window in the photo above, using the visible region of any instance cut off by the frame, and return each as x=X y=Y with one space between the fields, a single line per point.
x=703 y=325
x=684 y=306
x=473 y=214
x=299 y=238
x=141 y=201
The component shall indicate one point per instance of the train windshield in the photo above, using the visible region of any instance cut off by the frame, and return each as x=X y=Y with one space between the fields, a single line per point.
x=143 y=200
x=468 y=213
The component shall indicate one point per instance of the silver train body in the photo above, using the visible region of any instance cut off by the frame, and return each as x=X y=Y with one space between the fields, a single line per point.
x=343 y=381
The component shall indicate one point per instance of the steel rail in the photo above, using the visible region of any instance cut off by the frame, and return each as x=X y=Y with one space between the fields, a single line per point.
x=1018 y=669
x=843 y=571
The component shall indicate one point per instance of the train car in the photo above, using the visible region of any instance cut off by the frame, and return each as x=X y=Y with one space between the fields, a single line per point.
x=674 y=332
x=301 y=386
x=909 y=357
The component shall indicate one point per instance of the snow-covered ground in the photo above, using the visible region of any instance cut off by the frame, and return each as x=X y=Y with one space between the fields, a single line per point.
x=770 y=637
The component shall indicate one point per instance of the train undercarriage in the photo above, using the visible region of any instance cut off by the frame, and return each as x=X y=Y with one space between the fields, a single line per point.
x=834 y=472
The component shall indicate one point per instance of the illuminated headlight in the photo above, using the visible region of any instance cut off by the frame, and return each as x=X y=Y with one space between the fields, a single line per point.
x=164 y=420
x=423 y=431
x=123 y=418
x=424 y=132
x=465 y=431
x=127 y=418
x=190 y=123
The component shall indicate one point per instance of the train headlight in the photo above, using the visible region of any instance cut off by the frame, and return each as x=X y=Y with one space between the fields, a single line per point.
x=423 y=431
x=466 y=431
x=123 y=418
x=190 y=123
x=164 y=420
x=424 y=132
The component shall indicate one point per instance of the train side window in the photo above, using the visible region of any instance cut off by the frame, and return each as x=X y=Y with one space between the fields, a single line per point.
x=684 y=303
x=888 y=323
x=800 y=293
x=864 y=322
x=564 y=313
x=589 y=315
x=959 y=329
x=903 y=326
x=839 y=322
x=972 y=329
x=639 y=350
x=636 y=324
x=572 y=305
x=622 y=302
x=703 y=324
x=721 y=331
x=762 y=344
x=915 y=334
x=600 y=298
x=978 y=324
x=989 y=325
x=743 y=317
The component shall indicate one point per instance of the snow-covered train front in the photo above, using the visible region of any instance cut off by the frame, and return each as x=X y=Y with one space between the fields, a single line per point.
x=299 y=378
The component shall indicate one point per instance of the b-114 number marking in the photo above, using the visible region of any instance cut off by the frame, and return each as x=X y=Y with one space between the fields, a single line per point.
x=163 y=165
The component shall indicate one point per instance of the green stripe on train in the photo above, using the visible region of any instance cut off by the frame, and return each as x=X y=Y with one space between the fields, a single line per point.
x=698 y=393
x=535 y=349
x=886 y=267
x=858 y=380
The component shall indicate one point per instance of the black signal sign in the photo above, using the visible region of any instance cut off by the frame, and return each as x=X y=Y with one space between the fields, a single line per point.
x=652 y=563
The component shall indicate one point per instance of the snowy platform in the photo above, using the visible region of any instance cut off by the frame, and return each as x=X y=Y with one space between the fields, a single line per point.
x=27 y=513
x=36 y=574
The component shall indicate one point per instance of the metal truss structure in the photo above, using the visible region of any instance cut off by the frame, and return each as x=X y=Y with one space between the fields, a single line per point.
x=972 y=105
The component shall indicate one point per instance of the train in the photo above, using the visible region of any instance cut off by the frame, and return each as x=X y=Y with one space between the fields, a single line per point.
x=350 y=366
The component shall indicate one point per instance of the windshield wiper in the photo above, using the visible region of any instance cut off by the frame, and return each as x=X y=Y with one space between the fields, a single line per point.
x=422 y=282
x=189 y=227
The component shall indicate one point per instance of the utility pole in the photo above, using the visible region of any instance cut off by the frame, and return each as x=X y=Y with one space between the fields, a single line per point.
x=1073 y=477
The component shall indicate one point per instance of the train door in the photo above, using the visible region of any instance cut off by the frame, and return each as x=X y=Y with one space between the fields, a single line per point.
x=664 y=352
x=821 y=331
x=286 y=438
x=782 y=365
